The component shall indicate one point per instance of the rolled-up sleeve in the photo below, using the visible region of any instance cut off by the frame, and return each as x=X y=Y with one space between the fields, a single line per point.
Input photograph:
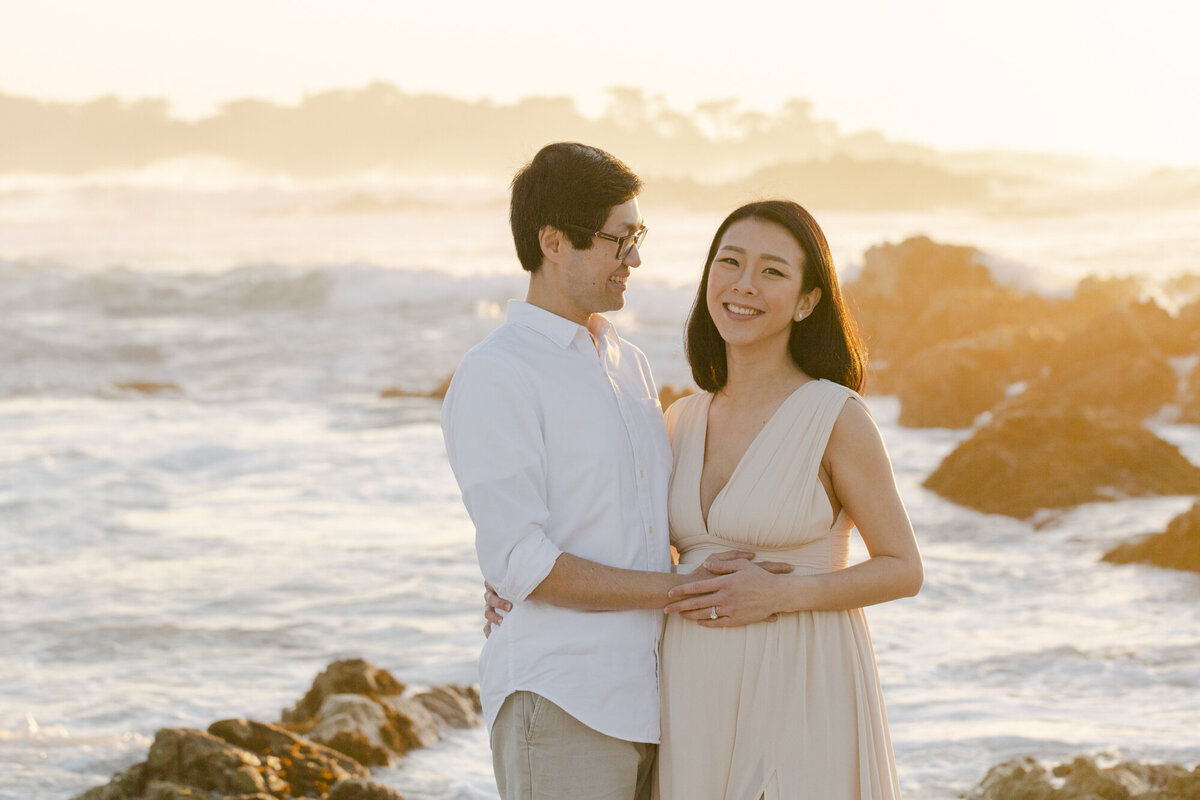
x=495 y=444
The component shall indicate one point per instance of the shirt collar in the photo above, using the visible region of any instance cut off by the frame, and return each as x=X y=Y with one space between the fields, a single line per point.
x=559 y=330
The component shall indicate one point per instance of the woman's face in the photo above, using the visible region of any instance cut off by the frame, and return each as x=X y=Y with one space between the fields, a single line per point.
x=754 y=284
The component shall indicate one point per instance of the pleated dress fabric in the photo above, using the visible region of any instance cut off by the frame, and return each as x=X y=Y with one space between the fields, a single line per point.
x=777 y=710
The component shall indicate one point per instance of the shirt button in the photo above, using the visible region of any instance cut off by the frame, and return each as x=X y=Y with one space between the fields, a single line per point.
x=651 y=529
x=641 y=473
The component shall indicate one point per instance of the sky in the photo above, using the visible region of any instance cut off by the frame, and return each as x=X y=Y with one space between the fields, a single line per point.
x=1107 y=79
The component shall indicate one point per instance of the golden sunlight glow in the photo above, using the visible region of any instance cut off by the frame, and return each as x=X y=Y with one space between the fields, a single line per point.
x=1110 y=80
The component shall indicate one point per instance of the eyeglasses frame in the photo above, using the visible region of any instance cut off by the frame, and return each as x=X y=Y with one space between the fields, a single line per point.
x=625 y=243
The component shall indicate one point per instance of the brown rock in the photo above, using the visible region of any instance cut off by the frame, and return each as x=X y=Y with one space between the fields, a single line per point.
x=1176 y=548
x=351 y=676
x=436 y=394
x=950 y=384
x=455 y=706
x=669 y=394
x=1024 y=778
x=308 y=767
x=1082 y=779
x=203 y=761
x=410 y=724
x=918 y=294
x=1115 y=363
x=356 y=789
x=1030 y=459
x=355 y=725
x=1189 y=404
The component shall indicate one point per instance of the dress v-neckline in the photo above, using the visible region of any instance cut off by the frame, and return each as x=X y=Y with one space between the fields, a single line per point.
x=705 y=517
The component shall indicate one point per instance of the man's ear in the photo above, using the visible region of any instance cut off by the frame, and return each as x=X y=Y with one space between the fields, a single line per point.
x=553 y=242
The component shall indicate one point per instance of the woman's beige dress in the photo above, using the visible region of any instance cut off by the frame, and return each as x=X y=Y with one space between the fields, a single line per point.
x=782 y=710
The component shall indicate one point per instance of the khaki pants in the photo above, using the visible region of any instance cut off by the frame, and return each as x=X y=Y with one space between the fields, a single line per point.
x=541 y=752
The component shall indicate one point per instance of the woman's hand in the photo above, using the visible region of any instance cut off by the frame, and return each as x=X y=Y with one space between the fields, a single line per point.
x=742 y=593
x=493 y=605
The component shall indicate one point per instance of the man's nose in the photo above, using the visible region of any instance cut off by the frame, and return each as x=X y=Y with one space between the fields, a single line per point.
x=633 y=258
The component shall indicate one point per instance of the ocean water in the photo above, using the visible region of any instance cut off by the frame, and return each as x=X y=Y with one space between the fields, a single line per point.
x=176 y=557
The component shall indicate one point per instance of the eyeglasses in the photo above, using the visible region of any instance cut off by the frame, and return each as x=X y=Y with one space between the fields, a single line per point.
x=624 y=243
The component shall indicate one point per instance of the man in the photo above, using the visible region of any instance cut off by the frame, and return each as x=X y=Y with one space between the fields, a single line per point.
x=555 y=435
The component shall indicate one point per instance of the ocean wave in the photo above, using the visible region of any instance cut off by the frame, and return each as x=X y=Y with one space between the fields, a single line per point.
x=265 y=287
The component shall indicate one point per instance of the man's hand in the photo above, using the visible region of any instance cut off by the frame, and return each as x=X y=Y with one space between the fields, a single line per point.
x=493 y=605
x=742 y=592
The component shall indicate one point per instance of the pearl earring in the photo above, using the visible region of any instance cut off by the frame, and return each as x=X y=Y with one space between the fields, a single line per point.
x=799 y=316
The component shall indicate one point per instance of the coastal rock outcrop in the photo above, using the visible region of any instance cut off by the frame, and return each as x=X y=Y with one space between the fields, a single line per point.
x=437 y=393
x=1083 y=779
x=668 y=394
x=949 y=384
x=918 y=293
x=354 y=716
x=1189 y=404
x=1178 y=547
x=1114 y=363
x=1031 y=459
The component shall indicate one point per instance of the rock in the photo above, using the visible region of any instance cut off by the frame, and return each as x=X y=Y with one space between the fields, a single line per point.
x=436 y=394
x=308 y=766
x=355 y=789
x=950 y=384
x=1030 y=459
x=1082 y=779
x=1189 y=404
x=1021 y=778
x=918 y=294
x=125 y=388
x=669 y=394
x=1176 y=548
x=200 y=760
x=410 y=724
x=1114 y=363
x=351 y=676
x=353 y=724
x=361 y=713
x=374 y=731
x=455 y=706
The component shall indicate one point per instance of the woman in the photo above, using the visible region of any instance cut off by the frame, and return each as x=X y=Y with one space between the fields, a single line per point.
x=770 y=687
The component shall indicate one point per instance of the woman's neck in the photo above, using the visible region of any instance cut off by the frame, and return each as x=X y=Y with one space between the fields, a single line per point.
x=756 y=374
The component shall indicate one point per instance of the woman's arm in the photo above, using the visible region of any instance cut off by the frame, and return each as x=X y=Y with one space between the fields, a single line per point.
x=863 y=481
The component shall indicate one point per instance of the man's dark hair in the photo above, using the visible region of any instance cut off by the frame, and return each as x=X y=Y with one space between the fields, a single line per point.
x=566 y=183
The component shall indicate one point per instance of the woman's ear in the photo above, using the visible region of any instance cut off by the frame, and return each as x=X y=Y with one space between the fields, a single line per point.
x=808 y=301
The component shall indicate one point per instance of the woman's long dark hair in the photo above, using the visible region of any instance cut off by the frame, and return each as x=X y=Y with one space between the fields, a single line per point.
x=825 y=344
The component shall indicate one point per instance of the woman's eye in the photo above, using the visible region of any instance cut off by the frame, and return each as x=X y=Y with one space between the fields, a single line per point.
x=732 y=262
x=771 y=271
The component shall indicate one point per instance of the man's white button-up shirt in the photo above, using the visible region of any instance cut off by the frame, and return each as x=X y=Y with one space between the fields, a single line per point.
x=559 y=446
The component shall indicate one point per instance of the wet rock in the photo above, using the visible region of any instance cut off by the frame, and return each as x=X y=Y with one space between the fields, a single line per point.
x=950 y=384
x=362 y=713
x=455 y=706
x=918 y=294
x=355 y=725
x=1083 y=779
x=127 y=388
x=1178 y=547
x=1115 y=363
x=436 y=394
x=200 y=760
x=1031 y=459
x=1189 y=404
x=669 y=394
x=1024 y=778
x=350 y=676
x=309 y=767
x=356 y=789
